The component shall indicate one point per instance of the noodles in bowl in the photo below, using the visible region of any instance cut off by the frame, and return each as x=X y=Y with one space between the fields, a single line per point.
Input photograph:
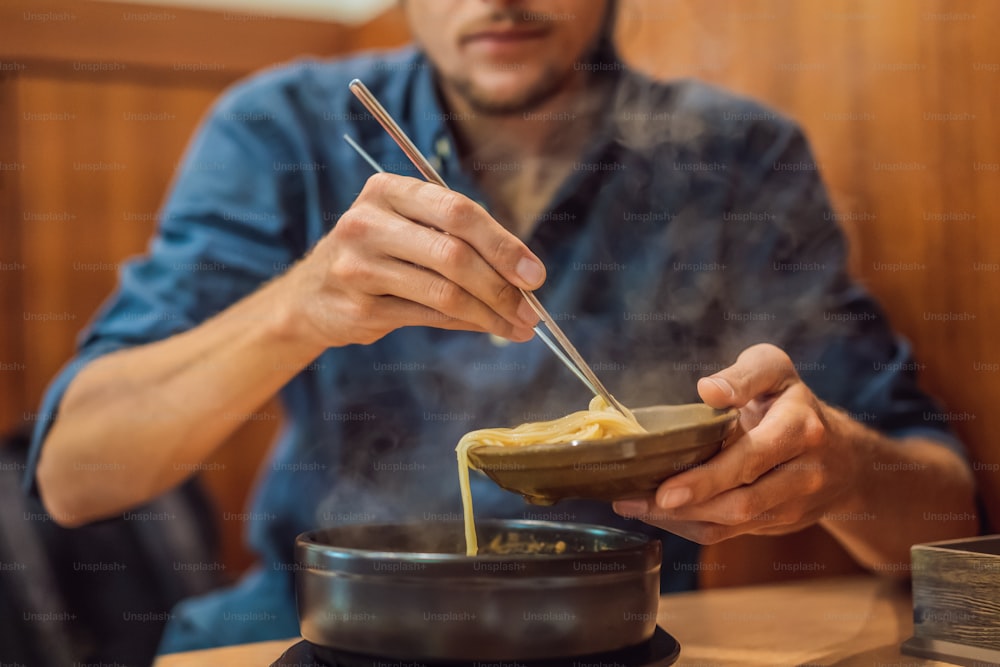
x=598 y=422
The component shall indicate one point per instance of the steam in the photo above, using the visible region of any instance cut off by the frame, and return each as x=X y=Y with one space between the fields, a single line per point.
x=693 y=187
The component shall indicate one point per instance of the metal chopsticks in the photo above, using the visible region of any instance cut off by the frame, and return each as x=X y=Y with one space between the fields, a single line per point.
x=574 y=361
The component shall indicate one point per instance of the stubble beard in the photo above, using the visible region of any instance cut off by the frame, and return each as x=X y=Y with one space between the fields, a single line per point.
x=550 y=84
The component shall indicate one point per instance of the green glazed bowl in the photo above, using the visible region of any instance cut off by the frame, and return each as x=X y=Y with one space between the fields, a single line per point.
x=680 y=437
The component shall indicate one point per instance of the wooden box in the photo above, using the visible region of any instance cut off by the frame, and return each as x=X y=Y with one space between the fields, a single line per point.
x=956 y=601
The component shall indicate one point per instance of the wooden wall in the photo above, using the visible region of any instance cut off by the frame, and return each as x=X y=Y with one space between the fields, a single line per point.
x=97 y=102
x=897 y=97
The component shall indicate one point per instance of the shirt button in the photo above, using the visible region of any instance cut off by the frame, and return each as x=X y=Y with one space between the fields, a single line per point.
x=435 y=162
x=443 y=148
x=498 y=341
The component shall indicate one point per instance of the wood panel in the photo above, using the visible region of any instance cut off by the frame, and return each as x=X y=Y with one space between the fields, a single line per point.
x=898 y=99
x=13 y=372
x=98 y=101
x=116 y=38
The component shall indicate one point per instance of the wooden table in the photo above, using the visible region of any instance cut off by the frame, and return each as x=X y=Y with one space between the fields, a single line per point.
x=846 y=622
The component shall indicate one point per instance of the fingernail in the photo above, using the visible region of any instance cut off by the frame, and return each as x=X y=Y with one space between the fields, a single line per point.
x=530 y=271
x=672 y=498
x=527 y=313
x=726 y=388
x=631 y=507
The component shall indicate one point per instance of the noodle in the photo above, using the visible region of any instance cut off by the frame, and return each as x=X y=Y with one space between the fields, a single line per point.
x=599 y=421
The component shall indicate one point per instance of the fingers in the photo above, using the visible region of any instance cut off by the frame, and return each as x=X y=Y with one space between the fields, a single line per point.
x=452 y=212
x=373 y=316
x=702 y=532
x=760 y=509
x=443 y=303
x=466 y=286
x=754 y=505
x=409 y=313
x=473 y=271
x=789 y=428
x=759 y=371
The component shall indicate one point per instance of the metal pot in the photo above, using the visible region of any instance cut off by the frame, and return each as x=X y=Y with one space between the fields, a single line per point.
x=407 y=591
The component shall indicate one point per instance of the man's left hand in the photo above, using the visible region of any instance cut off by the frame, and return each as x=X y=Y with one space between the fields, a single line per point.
x=787 y=466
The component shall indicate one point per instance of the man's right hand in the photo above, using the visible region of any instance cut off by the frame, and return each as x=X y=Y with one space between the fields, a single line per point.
x=413 y=253
x=384 y=265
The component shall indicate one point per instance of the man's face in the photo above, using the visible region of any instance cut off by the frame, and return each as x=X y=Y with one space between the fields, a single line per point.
x=506 y=57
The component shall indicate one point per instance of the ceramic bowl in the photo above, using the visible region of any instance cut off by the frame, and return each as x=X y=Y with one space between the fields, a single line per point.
x=679 y=437
x=409 y=592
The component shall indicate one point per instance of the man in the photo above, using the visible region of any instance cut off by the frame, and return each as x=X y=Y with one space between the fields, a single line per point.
x=664 y=225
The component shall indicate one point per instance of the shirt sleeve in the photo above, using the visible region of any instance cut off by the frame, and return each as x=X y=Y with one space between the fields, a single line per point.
x=788 y=284
x=221 y=233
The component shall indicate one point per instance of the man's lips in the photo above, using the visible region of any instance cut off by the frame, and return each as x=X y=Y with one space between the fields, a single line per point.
x=502 y=36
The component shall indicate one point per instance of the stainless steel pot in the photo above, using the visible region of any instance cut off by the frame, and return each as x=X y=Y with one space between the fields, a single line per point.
x=406 y=591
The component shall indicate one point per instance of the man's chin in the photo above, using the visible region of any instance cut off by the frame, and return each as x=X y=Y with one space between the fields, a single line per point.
x=499 y=105
x=504 y=101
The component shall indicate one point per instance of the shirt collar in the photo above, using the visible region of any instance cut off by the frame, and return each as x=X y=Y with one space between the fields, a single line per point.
x=430 y=131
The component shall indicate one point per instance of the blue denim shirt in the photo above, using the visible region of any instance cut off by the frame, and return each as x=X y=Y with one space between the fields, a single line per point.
x=694 y=225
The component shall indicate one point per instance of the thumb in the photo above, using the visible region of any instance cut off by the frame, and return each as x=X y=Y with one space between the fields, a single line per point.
x=760 y=370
